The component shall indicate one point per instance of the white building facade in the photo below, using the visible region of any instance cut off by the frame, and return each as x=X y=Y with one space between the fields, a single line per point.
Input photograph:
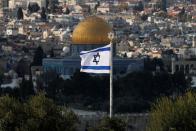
x=24 y=3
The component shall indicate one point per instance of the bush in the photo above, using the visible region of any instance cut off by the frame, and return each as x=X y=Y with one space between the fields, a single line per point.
x=37 y=114
x=175 y=115
x=110 y=124
x=11 y=114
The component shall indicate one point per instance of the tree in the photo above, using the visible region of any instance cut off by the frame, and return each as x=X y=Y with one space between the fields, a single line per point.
x=38 y=56
x=164 y=5
x=137 y=90
x=19 y=14
x=174 y=115
x=52 y=53
x=33 y=7
x=1 y=75
x=52 y=5
x=44 y=115
x=26 y=89
x=182 y=15
x=53 y=91
x=11 y=114
x=132 y=93
x=162 y=14
x=89 y=9
x=144 y=17
x=37 y=114
x=1 y=79
x=182 y=12
x=151 y=64
x=139 y=7
x=25 y=49
x=43 y=14
x=22 y=68
x=123 y=6
x=67 y=11
x=97 y=5
x=77 y=88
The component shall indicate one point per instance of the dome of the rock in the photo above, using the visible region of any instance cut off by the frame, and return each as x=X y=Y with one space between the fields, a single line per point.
x=92 y=30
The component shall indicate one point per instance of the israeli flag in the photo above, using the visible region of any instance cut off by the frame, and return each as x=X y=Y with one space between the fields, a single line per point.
x=96 y=61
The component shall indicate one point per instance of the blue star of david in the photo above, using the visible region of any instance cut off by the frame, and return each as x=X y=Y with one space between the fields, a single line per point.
x=96 y=58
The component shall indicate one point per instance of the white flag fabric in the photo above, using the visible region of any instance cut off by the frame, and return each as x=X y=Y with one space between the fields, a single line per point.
x=96 y=61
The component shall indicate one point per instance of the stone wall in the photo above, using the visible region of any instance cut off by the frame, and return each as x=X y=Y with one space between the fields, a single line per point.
x=136 y=122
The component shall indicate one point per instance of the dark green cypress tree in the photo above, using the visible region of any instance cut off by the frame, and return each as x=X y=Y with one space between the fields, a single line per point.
x=20 y=14
x=43 y=14
x=39 y=55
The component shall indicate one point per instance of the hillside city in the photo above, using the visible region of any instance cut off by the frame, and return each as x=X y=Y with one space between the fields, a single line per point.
x=154 y=54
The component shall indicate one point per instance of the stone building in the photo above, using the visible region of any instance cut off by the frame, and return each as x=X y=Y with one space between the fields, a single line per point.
x=185 y=66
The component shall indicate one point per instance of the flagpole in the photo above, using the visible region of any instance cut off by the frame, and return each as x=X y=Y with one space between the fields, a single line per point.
x=111 y=36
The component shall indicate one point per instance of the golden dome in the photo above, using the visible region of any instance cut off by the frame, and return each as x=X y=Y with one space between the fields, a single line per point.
x=92 y=30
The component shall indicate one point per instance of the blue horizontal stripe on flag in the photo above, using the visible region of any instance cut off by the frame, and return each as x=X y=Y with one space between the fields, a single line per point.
x=96 y=67
x=100 y=49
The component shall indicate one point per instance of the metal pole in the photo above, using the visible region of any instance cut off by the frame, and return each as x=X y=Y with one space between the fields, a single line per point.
x=111 y=36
